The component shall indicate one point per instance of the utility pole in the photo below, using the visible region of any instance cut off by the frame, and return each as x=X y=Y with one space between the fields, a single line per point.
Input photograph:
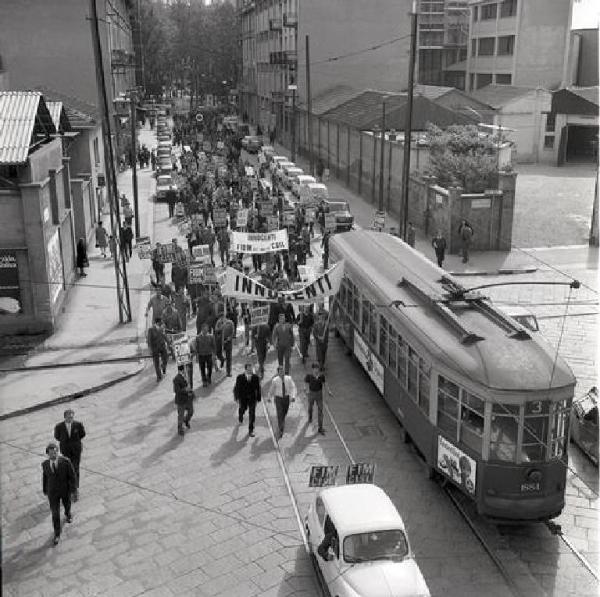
x=381 y=156
x=111 y=177
x=134 y=163
x=293 y=88
x=408 y=121
x=309 y=109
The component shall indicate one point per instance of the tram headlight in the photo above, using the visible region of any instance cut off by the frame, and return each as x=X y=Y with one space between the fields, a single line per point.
x=534 y=475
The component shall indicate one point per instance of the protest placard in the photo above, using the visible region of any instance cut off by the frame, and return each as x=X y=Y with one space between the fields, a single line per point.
x=309 y=214
x=181 y=348
x=206 y=146
x=195 y=273
x=289 y=218
x=241 y=219
x=219 y=217
x=201 y=253
x=144 y=247
x=185 y=227
x=220 y=145
x=259 y=315
x=253 y=184
x=378 y=221
x=272 y=223
x=179 y=210
x=330 y=223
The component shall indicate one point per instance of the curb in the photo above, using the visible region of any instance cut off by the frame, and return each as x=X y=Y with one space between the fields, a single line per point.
x=70 y=397
x=498 y=272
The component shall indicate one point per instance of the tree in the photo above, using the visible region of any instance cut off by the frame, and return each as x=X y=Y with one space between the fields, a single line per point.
x=461 y=156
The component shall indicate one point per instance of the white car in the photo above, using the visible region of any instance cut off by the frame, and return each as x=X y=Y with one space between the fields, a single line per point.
x=279 y=173
x=268 y=151
x=290 y=174
x=164 y=183
x=360 y=545
x=275 y=160
x=302 y=181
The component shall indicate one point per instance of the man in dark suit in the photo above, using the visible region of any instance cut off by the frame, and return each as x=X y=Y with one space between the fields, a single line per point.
x=58 y=482
x=247 y=393
x=69 y=434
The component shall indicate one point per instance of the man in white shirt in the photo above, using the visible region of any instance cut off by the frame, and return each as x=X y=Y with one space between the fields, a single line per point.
x=282 y=389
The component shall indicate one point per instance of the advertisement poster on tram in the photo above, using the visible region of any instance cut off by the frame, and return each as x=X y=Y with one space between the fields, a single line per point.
x=369 y=361
x=454 y=463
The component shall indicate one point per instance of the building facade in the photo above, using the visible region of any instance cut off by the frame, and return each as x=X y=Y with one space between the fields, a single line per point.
x=442 y=38
x=518 y=42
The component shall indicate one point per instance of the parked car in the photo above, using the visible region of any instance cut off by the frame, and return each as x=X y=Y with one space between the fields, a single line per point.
x=343 y=218
x=165 y=166
x=290 y=174
x=164 y=183
x=302 y=181
x=268 y=151
x=359 y=542
x=317 y=192
x=584 y=424
x=279 y=173
x=275 y=160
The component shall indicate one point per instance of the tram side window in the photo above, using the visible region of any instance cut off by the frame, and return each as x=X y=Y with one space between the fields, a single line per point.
x=535 y=431
x=413 y=368
x=349 y=297
x=366 y=314
x=372 y=326
x=355 y=311
x=402 y=362
x=448 y=407
x=471 y=421
x=392 y=348
x=424 y=372
x=504 y=432
x=383 y=339
x=560 y=420
x=342 y=294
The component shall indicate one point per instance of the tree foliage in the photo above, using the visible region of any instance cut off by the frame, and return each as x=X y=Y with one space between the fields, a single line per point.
x=460 y=156
x=189 y=44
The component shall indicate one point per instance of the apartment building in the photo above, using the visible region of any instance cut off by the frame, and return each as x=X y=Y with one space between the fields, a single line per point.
x=442 y=39
x=518 y=42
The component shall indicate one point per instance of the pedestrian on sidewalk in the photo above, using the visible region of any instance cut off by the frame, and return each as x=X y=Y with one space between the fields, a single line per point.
x=171 y=200
x=283 y=390
x=439 y=246
x=69 y=434
x=112 y=245
x=184 y=399
x=182 y=303
x=58 y=483
x=157 y=343
x=320 y=169
x=321 y=336
x=206 y=350
x=224 y=332
x=224 y=243
x=158 y=304
x=465 y=232
x=283 y=341
x=123 y=243
x=101 y=239
x=325 y=247
x=247 y=393
x=82 y=258
x=128 y=239
x=315 y=383
x=205 y=312
x=305 y=323
x=158 y=266
x=411 y=235
x=262 y=334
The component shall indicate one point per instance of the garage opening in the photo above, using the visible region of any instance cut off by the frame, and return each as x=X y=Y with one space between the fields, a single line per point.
x=582 y=143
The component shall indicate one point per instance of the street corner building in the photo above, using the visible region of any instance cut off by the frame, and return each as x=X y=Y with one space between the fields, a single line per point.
x=37 y=242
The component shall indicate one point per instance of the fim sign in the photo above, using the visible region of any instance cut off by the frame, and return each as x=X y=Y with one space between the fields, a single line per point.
x=323 y=476
x=330 y=223
x=361 y=472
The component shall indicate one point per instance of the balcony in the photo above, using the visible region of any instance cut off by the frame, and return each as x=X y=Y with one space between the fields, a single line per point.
x=275 y=25
x=290 y=20
x=277 y=58
x=120 y=59
x=291 y=57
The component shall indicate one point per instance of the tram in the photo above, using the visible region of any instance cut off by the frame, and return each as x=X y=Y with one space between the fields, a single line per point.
x=484 y=401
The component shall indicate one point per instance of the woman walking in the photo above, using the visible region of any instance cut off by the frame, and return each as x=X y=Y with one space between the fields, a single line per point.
x=82 y=258
x=101 y=239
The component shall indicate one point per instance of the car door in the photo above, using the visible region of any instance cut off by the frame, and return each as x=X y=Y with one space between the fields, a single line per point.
x=331 y=567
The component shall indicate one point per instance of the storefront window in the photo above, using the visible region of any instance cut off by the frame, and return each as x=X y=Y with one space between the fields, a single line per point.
x=504 y=432
x=448 y=407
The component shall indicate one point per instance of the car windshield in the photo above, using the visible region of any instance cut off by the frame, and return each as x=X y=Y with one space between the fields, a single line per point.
x=377 y=545
x=339 y=206
x=164 y=180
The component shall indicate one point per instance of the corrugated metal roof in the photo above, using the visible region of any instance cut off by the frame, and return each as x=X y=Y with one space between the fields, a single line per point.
x=332 y=97
x=498 y=96
x=24 y=121
x=364 y=112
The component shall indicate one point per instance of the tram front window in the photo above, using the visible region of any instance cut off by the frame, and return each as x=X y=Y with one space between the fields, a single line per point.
x=535 y=431
x=504 y=432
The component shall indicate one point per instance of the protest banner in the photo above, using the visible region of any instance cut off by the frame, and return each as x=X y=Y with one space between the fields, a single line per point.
x=241 y=219
x=201 y=253
x=330 y=223
x=259 y=315
x=238 y=285
x=259 y=242
x=219 y=217
x=144 y=247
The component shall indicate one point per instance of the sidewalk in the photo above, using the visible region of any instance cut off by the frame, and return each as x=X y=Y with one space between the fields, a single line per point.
x=88 y=329
x=480 y=263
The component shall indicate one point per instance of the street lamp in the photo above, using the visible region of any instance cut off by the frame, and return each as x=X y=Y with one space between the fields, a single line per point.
x=293 y=89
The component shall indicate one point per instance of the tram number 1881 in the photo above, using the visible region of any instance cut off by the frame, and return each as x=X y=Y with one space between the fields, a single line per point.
x=530 y=486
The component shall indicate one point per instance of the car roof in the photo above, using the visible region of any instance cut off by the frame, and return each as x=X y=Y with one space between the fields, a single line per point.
x=360 y=508
x=296 y=168
x=279 y=158
x=316 y=185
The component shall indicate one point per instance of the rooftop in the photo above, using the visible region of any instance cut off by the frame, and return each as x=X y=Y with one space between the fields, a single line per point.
x=81 y=114
x=25 y=122
x=499 y=96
